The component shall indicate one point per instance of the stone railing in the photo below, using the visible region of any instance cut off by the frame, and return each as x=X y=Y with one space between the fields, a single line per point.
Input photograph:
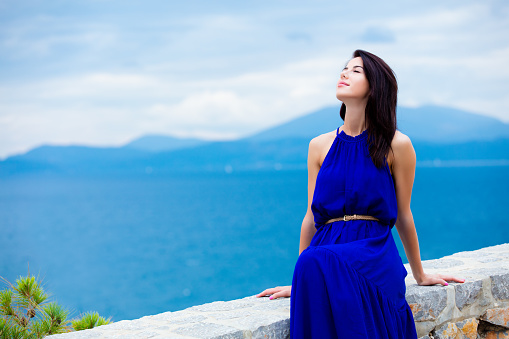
x=477 y=308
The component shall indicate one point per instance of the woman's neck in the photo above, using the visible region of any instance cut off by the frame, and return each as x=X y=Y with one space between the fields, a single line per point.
x=355 y=121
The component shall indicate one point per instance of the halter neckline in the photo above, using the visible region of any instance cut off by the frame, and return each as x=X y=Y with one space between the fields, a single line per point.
x=347 y=137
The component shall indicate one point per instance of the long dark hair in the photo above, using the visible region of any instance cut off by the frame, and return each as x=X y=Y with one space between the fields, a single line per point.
x=380 y=114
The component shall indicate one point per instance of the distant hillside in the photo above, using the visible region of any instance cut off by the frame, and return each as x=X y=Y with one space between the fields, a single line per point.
x=73 y=159
x=307 y=126
x=160 y=143
x=448 y=125
x=428 y=123
x=292 y=153
x=436 y=133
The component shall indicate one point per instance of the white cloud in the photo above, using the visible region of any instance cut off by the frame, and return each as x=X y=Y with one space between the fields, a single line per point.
x=215 y=110
x=46 y=36
x=95 y=86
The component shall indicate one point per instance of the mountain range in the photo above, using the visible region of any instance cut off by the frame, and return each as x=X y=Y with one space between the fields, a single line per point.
x=438 y=134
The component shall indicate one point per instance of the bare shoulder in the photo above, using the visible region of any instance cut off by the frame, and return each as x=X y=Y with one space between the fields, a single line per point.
x=401 y=141
x=320 y=145
x=402 y=149
x=323 y=139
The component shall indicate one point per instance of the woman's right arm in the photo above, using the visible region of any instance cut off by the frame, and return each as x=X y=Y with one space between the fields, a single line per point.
x=308 y=229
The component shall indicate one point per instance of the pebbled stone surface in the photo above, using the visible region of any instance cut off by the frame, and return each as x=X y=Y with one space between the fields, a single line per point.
x=441 y=263
x=208 y=330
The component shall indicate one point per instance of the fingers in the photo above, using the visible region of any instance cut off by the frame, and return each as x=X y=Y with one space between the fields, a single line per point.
x=263 y=294
x=276 y=295
x=269 y=291
x=276 y=292
x=460 y=280
x=443 y=279
x=283 y=293
x=452 y=278
x=433 y=279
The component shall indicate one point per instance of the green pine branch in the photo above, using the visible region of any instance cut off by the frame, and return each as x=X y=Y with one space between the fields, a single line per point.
x=26 y=313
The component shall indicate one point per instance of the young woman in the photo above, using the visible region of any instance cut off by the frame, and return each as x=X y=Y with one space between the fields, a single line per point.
x=349 y=280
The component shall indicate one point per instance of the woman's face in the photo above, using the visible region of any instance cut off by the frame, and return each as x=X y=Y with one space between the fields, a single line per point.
x=353 y=83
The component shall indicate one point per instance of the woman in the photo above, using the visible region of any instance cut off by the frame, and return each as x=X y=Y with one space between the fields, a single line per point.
x=349 y=280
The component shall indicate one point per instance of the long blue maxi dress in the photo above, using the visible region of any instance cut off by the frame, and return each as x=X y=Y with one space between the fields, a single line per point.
x=350 y=282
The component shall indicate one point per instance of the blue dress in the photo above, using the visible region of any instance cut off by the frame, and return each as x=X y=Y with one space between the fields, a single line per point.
x=350 y=282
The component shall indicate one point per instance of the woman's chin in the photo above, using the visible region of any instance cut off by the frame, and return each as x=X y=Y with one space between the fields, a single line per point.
x=340 y=95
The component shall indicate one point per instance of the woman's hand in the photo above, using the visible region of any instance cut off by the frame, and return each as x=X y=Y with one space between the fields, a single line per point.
x=432 y=279
x=277 y=292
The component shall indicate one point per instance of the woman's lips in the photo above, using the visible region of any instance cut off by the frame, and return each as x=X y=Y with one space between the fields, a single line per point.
x=343 y=84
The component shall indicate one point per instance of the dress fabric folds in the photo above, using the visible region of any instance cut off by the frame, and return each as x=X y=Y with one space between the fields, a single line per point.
x=350 y=282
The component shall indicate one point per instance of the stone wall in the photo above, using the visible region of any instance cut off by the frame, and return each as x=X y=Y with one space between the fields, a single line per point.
x=477 y=308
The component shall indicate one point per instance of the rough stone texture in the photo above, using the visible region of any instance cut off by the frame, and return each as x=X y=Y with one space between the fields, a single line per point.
x=426 y=304
x=497 y=316
x=467 y=293
x=249 y=317
x=210 y=330
x=441 y=263
x=466 y=329
x=453 y=311
x=497 y=335
x=500 y=288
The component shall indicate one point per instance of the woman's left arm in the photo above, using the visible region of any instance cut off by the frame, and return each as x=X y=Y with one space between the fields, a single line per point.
x=403 y=172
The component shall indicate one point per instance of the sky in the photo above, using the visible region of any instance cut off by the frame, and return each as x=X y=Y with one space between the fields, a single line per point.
x=102 y=73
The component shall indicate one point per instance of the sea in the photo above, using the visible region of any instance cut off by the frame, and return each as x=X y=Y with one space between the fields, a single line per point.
x=128 y=246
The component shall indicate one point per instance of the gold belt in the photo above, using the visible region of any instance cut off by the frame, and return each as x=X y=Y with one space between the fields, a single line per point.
x=353 y=217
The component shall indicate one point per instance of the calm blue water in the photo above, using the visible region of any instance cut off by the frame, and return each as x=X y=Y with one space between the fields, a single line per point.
x=133 y=246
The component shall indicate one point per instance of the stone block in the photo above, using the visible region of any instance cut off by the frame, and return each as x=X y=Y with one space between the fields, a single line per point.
x=129 y=325
x=489 y=259
x=178 y=318
x=424 y=327
x=282 y=304
x=500 y=286
x=256 y=321
x=277 y=330
x=426 y=302
x=85 y=334
x=497 y=335
x=210 y=331
x=466 y=329
x=239 y=314
x=497 y=316
x=222 y=306
x=441 y=263
x=479 y=273
x=466 y=293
